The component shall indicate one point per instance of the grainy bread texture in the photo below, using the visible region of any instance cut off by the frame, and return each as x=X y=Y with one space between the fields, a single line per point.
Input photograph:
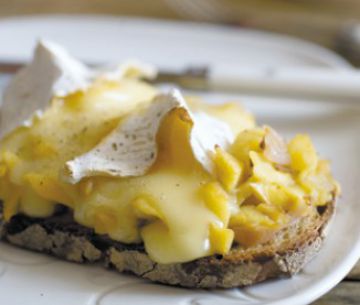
x=285 y=255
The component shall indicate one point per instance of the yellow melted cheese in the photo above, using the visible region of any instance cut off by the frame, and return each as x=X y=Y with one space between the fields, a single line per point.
x=178 y=210
x=164 y=208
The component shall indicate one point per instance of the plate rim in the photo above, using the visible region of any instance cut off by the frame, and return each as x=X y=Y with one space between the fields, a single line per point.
x=328 y=57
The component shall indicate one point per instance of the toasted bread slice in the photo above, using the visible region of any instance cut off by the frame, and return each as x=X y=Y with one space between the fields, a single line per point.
x=285 y=255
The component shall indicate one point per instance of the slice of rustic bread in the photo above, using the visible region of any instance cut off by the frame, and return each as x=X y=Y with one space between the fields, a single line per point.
x=285 y=255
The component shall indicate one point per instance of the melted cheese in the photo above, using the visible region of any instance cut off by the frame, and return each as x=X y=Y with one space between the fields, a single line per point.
x=180 y=210
x=164 y=208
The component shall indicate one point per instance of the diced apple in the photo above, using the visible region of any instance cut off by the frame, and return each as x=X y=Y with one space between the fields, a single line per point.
x=250 y=214
x=221 y=239
x=246 y=141
x=216 y=200
x=227 y=168
x=302 y=154
x=275 y=213
x=252 y=226
x=243 y=192
x=265 y=171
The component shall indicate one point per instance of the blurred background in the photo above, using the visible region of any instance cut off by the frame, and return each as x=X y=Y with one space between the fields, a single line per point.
x=326 y=22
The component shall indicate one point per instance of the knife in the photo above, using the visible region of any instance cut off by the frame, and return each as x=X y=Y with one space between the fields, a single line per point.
x=303 y=82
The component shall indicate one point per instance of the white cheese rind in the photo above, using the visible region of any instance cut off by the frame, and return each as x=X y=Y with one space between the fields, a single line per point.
x=54 y=73
x=131 y=148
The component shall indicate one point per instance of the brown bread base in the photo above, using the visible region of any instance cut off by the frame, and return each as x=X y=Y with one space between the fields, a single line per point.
x=285 y=255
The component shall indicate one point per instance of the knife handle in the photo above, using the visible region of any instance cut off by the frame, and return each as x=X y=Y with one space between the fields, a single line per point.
x=297 y=82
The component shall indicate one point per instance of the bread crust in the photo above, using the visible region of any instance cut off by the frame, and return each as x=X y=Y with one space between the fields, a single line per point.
x=60 y=236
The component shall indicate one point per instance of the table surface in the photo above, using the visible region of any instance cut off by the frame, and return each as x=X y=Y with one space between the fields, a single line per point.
x=325 y=18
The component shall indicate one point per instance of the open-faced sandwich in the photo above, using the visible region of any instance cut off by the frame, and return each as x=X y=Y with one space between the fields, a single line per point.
x=99 y=166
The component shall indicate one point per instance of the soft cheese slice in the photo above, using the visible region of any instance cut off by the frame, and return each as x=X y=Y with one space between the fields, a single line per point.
x=54 y=73
x=131 y=148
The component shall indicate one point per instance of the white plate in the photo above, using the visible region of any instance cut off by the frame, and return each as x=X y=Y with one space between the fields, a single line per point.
x=37 y=279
